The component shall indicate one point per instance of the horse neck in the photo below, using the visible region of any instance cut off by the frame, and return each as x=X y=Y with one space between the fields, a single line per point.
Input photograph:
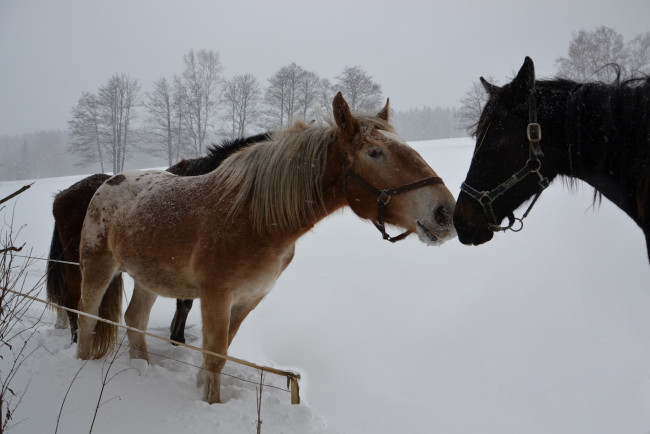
x=332 y=195
x=333 y=182
x=583 y=141
x=326 y=199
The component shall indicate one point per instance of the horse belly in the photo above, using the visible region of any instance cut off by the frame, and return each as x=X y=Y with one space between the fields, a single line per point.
x=254 y=286
x=159 y=279
x=251 y=293
x=166 y=285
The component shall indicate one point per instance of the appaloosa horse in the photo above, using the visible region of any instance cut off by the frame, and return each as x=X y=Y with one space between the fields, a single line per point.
x=599 y=133
x=69 y=209
x=225 y=237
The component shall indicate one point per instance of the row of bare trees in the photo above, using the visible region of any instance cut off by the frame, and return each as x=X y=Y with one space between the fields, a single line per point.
x=599 y=55
x=181 y=114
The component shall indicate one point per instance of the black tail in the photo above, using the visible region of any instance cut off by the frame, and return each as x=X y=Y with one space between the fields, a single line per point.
x=55 y=270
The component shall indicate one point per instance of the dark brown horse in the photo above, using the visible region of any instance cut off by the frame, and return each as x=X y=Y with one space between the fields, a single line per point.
x=69 y=209
x=595 y=132
x=226 y=237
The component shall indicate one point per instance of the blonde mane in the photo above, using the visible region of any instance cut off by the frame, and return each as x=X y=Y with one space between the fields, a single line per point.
x=282 y=178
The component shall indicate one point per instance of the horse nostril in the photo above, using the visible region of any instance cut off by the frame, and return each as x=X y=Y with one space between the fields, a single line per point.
x=442 y=216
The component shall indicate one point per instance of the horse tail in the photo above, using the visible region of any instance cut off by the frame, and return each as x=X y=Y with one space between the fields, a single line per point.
x=110 y=309
x=55 y=278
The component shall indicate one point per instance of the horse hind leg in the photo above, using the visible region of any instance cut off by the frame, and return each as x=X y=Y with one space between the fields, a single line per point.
x=55 y=279
x=63 y=321
x=137 y=316
x=101 y=295
x=71 y=296
x=177 y=327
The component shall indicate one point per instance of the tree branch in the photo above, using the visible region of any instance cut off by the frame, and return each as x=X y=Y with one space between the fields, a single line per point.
x=12 y=249
x=11 y=196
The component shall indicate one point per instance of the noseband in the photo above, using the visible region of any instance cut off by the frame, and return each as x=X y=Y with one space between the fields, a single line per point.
x=383 y=196
x=533 y=165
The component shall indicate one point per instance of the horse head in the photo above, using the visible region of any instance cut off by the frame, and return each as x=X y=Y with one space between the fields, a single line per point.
x=506 y=169
x=386 y=181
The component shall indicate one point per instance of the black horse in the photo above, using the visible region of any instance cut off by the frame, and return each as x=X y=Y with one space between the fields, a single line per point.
x=69 y=209
x=595 y=132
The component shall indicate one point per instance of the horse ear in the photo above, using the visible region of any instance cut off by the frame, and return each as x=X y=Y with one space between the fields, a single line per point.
x=489 y=87
x=525 y=79
x=384 y=114
x=343 y=116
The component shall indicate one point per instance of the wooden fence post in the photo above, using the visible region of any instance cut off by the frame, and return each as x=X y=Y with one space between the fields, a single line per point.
x=295 y=390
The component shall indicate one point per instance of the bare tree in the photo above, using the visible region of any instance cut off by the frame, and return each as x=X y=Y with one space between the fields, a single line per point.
x=101 y=124
x=603 y=55
x=309 y=85
x=326 y=92
x=85 y=129
x=160 y=121
x=118 y=100
x=472 y=104
x=180 y=105
x=240 y=99
x=359 y=89
x=202 y=78
x=281 y=96
x=639 y=54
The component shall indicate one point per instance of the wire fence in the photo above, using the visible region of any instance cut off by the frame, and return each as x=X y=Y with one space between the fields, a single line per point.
x=292 y=377
x=40 y=320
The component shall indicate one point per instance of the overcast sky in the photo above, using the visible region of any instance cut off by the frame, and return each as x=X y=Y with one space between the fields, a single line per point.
x=424 y=52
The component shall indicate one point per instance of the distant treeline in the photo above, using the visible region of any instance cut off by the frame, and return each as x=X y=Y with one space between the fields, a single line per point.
x=427 y=123
x=45 y=154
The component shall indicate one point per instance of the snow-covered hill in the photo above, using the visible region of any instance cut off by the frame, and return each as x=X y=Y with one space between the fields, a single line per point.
x=544 y=331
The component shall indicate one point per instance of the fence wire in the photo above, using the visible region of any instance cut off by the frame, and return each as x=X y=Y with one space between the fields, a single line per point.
x=292 y=377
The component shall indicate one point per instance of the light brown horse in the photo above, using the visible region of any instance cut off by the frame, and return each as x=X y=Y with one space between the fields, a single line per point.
x=226 y=237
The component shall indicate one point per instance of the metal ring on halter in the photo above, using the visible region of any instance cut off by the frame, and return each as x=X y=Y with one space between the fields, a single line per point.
x=485 y=199
x=521 y=225
x=511 y=226
x=383 y=197
x=536 y=161
x=512 y=220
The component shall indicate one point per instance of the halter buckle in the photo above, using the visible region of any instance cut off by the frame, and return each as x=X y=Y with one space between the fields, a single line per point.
x=534 y=132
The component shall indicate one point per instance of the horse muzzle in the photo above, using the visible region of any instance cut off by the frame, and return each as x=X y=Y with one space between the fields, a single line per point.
x=471 y=223
x=438 y=229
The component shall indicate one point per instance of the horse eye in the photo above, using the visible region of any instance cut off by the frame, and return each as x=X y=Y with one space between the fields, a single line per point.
x=375 y=153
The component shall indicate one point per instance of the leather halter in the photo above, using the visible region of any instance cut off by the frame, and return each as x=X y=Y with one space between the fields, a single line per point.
x=533 y=165
x=383 y=196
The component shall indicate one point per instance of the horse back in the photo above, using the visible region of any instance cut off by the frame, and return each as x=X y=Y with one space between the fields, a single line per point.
x=146 y=223
x=69 y=209
x=114 y=196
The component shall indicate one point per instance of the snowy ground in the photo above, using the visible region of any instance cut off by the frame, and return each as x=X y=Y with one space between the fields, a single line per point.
x=544 y=331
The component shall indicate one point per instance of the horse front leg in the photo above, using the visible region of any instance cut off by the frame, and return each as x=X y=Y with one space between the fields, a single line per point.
x=237 y=316
x=137 y=316
x=216 y=306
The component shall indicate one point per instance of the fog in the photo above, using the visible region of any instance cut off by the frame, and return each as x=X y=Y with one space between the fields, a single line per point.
x=422 y=53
